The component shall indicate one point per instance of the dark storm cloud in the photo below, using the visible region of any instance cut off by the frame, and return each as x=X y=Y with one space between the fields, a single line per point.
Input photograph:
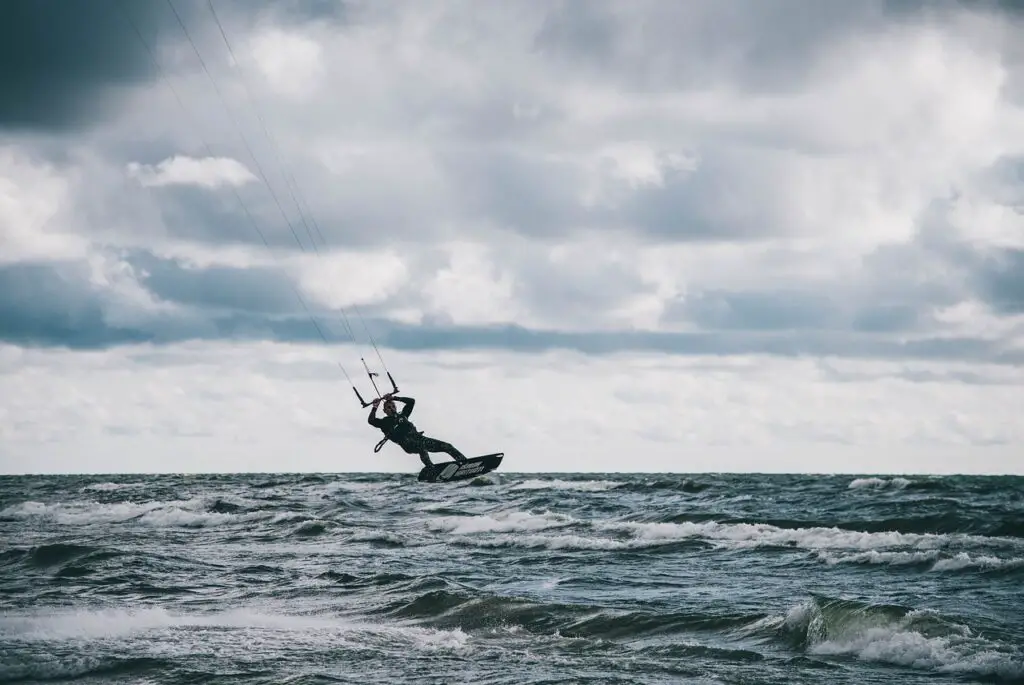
x=761 y=310
x=257 y=290
x=991 y=274
x=52 y=304
x=999 y=279
x=62 y=61
x=807 y=309
x=888 y=318
x=898 y=289
x=913 y=7
x=242 y=216
x=297 y=11
x=56 y=305
x=59 y=59
x=653 y=45
x=784 y=344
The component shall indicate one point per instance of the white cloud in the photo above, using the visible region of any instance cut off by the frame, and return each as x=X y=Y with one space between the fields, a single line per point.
x=980 y=220
x=341 y=279
x=34 y=199
x=473 y=288
x=628 y=165
x=291 y=62
x=211 y=172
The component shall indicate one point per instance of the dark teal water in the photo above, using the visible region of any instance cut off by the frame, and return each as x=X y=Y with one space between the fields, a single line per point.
x=511 y=579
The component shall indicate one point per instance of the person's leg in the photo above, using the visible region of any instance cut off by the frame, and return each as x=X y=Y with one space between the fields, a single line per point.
x=413 y=444
x=435 y=445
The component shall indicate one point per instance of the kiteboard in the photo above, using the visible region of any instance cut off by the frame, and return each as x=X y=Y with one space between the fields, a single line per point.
x=471 y=468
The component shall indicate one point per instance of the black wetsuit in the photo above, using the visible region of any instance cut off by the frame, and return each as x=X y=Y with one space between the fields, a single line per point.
x=401 y=431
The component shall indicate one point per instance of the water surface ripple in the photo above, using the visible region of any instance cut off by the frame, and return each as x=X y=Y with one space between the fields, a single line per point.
x=607 y=578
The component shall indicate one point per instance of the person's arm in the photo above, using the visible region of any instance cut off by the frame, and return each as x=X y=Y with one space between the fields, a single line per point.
x=372 y=417
x=409 y=404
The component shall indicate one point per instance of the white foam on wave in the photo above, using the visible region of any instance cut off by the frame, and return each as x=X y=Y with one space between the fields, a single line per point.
x=81 y=513
x=378 y=536
x=875 y=556
x=119 y=623
x=739 y=535
x=983 y=562
x=353 y=487
x=175 y=517
x=556 y=484
x=432 y=506
x=179 y=513
x=501 y=522
x=899 y=645
x=563 y=542
x=957 y=562
x=918 y=639
x=521 y=529
x=110 y=487
x=878 y=483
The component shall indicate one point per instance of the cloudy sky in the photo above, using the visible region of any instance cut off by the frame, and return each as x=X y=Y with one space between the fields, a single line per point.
x=700 y=236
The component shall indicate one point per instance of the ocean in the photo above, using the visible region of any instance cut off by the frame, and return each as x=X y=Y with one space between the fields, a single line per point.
x=511 y=578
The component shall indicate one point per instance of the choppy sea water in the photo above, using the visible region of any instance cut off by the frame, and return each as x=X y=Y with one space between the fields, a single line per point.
x=511 y=579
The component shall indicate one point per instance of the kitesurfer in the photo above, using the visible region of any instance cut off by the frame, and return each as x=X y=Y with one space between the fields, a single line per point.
x=400 y=430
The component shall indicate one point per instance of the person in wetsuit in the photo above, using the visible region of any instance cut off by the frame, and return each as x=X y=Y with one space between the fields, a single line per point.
x=400 y=430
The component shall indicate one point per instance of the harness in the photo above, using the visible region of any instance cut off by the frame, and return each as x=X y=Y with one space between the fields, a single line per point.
x=387 y=437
